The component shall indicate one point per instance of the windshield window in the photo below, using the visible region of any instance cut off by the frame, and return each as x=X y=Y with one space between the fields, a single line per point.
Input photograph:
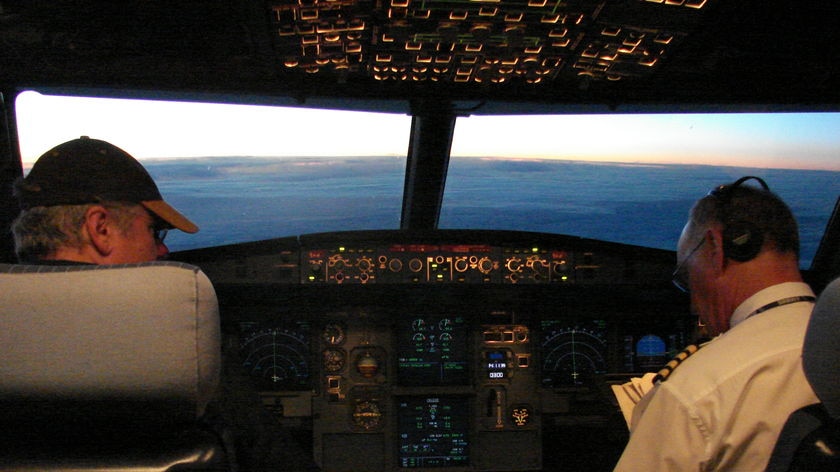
x=633 y=178
x=242 y=173
x=245 y=173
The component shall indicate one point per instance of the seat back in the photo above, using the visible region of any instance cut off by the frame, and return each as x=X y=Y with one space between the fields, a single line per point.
x=810 y=439
x=106 y=367
x=821 y=351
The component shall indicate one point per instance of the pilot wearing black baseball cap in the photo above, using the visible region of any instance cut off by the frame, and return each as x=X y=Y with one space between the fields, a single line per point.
x=88 y=201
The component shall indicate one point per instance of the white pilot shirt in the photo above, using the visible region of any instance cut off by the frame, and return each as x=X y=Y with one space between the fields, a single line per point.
x=724 y=407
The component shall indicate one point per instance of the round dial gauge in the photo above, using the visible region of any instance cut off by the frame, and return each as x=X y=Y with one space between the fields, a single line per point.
x=333 y=334
x=334 y=360
x=367 y=415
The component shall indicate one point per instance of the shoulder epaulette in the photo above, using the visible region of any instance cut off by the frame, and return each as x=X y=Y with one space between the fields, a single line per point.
x=664 y=372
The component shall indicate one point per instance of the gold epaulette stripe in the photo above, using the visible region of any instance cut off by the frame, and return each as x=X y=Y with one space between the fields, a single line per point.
x=677 y=360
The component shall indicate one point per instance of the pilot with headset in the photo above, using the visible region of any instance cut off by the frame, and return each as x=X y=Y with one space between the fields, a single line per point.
x=723 y=407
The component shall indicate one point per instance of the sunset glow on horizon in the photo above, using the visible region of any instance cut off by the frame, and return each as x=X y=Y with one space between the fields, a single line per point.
x=156 y=129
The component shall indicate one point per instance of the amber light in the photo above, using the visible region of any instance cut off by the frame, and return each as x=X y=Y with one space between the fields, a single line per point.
x=478 y=41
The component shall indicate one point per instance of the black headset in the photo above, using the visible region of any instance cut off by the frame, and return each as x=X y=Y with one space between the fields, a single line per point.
x=742 y=240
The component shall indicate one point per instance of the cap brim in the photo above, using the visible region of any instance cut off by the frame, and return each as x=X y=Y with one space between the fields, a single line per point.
x=170 y=215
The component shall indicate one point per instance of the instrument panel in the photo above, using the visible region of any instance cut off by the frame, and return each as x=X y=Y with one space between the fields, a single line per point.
x=454 y=351
x=413 y=263
x=441 y=257
x=427 y=390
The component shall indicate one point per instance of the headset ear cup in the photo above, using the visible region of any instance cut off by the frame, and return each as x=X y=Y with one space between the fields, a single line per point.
x=742 y=241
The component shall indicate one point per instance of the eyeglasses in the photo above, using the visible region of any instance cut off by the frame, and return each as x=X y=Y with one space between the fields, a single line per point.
x=159 y=228
x=680 y=276
x=160 y=234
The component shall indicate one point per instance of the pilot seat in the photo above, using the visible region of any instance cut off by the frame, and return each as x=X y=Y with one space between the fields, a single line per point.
x=810 y=439
x=108 y=368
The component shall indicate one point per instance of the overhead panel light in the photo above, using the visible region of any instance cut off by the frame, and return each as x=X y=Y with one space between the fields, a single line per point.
x=533 y=41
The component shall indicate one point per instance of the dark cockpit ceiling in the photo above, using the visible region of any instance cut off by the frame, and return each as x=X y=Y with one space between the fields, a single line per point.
x=471 y=56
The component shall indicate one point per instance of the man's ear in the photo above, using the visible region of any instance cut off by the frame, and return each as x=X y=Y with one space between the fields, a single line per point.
x=714 y=238
x=99 y=225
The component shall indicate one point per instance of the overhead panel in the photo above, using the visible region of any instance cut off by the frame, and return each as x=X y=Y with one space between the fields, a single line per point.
x=480 y=41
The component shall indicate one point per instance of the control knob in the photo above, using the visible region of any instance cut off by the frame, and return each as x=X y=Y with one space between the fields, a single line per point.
x=395 y=265
x=364 y=264
x=415 y=265
x=485 y=265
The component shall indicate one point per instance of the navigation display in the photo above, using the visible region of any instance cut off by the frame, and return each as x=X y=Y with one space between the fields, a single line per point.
x=433 y=431
x=432 y=350
x=276 y=354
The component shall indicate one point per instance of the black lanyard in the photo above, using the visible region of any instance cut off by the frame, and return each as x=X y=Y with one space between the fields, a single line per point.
x=781 y=302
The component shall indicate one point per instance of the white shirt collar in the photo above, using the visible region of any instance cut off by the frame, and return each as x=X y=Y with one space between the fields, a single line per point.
x=768 y=295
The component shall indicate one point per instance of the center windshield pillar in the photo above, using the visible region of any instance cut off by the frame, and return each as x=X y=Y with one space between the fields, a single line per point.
x=432 y=126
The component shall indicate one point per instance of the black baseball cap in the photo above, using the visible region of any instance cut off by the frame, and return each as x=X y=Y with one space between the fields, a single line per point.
x=89 y=170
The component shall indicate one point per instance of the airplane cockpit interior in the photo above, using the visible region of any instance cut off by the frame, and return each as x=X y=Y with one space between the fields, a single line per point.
x=460 y=230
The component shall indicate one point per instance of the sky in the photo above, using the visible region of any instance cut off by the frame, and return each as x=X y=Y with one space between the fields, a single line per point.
x=157 y=129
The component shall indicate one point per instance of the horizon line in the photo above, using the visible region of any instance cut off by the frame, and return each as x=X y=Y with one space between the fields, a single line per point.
x=27 y=164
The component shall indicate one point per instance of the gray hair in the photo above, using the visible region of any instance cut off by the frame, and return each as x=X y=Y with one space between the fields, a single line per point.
x=764 y=210
x=41 y=231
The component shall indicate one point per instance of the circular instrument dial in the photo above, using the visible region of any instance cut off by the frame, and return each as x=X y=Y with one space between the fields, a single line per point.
x=572 y=356
x=277 y=356
x=333 y=334
x=367 y=415
x=334 y=360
